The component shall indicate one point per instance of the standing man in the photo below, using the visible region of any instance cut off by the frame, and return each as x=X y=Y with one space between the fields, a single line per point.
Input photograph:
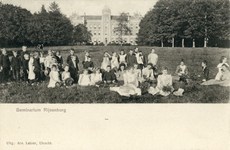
x=4 y=66
x=131 y=58
x=23 y=52
x=153 y=57
x=72 y=61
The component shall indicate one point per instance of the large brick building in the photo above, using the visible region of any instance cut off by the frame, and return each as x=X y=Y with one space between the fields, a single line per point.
x=102 y=27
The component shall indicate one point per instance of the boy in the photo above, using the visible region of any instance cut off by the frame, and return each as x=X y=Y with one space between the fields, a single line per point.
x=23 y=52
x=25 y=67
x=140 y=60
x=4 y=66
x=15 y=65
x=69 y=58
x=131 y=59
x=109 y=76
x=88 y=64
x=205 y=73
x=37 y=67
x=73 y=68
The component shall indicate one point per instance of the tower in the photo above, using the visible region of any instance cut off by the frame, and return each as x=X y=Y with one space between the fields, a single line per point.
x=106 y=19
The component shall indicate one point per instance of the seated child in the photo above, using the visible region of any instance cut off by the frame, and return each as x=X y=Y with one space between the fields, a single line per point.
x=130 y=85
x=54 y=77
x=66 y=77
x=223 y=60
x=182 y=71
x=109 y=76
x=120 y=72
x=164 y=84
x=205 y=73
x=147 y=72
x=96 y=77
x=106 y=61
x=88 y=64
x=84 y=79
x=137 y=71
x=114 y=61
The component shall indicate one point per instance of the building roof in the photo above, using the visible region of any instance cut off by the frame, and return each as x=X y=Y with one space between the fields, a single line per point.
x=92 y=17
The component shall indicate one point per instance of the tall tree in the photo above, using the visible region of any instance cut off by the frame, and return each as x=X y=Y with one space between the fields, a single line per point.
x=81 y=34
x=54 y=7
x=122 y=26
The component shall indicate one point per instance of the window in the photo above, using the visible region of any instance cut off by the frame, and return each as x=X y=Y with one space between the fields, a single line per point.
x=99 y=40
x=95 y=26
x=95 y=40
x=99 y=32
x=105 y=32
x=99 y=26
x=95 y=32
x=136 y=26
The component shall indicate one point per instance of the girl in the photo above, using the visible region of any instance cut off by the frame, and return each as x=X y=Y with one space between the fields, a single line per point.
x=137 y=71
x=130 y=85
x=121 y=72
x=223 y=60
x=114 y=61
x=54 y=77
x=164 y=84
x=122 y=58
x=140 y=60
x=96 y=77
x=86 y=55
x=84 y=79
x=66 y=77
x=182 y=71
x=106 y=61
x=31 y=75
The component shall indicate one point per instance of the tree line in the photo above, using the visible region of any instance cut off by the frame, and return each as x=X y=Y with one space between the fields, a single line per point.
x=188 y=23
x=19 y=26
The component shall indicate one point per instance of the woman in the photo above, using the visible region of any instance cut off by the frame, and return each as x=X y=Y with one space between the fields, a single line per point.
x=130 y=85
x=120 y=72
x=182 y=71
x=223 y=60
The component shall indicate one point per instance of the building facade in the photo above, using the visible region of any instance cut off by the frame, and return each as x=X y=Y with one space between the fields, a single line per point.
x=102 y=27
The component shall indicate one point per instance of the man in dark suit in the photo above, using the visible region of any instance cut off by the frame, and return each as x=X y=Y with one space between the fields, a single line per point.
x=69 y=59
x=37 y=67
x=23 y=53
x=16 y=65
x=73 y=68
x=131 y=58
x=4 y=66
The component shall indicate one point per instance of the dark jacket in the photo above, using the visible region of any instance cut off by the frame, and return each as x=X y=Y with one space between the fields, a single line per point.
x=87 y=64
x=5 y=61
x=37 y=65
x=60 y=60
x=16 y=62
x=22 y=55
x=69 y=61
x=73 y=69
x=205 y=73
x=109 y=76
x=131 y=60
x=25 y=64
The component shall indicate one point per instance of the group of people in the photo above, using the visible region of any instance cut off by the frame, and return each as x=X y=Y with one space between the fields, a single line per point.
x=132 y=68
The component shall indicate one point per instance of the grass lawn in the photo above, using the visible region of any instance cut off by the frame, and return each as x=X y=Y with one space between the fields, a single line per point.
x=170 y=57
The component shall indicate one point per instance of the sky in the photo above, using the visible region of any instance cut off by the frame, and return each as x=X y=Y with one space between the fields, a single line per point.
x=90 y=7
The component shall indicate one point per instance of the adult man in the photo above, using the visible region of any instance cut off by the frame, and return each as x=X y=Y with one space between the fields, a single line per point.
x=152 y=57
x=69 y=58
x=4 y=66
x=23 y=53
x=73 y=68
x=131 y=58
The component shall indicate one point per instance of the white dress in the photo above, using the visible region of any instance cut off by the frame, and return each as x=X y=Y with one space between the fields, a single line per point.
x=84 y=80
x=105 y=63
x=114 y=62
x=129 y=87
x=122 y=58
x=65 y=75
x=219 y=74
x=31 y=75
x=54 y=78
x=96 y=77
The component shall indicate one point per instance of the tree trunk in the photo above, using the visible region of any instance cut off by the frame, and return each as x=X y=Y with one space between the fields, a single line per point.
x=162 y=44
x=183 y=42
x=193 y=43
x=173 y=42
x=205 y=42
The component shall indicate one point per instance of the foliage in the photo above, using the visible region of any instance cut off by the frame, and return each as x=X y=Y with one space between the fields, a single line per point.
x=81 y=34
x=190 y=19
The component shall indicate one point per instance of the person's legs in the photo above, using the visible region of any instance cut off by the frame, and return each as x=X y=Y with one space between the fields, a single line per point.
x=5 y=74
x=17 y=73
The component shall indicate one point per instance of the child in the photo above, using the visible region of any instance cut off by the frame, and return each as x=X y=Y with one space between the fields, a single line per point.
x=106 y=61
x=205 y=73
x=84 y=79
x=5 y=65
x=54 y=77
x=131 y=58
x=114 y=61
x=23 y=52
x=15 y=65
x=66 y=77
x=86 y=55
x=140 y=60
x=88 y=64
x=182 y=71
x=59 y=58
x=164 y=84
x=48 y=61
x=109 y=76
x=25 y=67
x=121 y=72
x=69 y=58
x=96 y=77
x=37 y=67
x=122 y=58
x=42 y=61
x=31 y=75
x=147 y=72
x=137 y=71
x=223 y=60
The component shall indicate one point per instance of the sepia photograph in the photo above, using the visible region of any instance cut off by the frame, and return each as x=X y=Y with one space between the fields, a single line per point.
x=114 y=75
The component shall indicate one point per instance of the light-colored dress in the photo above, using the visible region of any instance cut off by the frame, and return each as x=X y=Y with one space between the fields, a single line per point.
x=219 y=74
x=114 y=62
x=147 y=73
x=119 y=75
x=31 y=75
x=84 y=80
x=224 y=80
x=65 y=75
x=54 y=78
x=105 y=63
x=162 y=81
x=48 y=61
x=96 y=77
x=42 y=59
x=122 y=59
x=153 y=58
x=129 y=87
